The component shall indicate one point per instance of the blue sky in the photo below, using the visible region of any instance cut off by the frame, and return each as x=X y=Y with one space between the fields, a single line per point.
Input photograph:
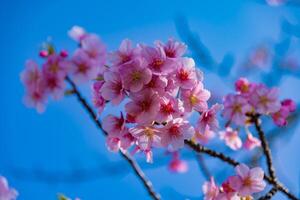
x=63 y=139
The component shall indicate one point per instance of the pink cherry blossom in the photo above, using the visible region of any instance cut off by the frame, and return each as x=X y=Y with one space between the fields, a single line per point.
x=53 y=84
x=144 y=107
x=203 y=136
x=251 y=142
x=98 y=100
x=244 y=87
x=83 y=69
x=146 y=136
x=210 y=190
x=36 y=98
x=209 y=118
x=196 y=98
x=7 y=193
x=235 y=108
x=56 y=65
x=157 y=60
x=265 y=100
x=135 y=75
x=173 y=49
x=290 y=104
x=77 y=33
x=177 y=165
x=112 y=89
x=185 y=74
x=227 y=193
x=170 y=108
x=175 y=132
x=157 y=84
x=31 y=76
x=231 y=138
x=121 y=140
x=95 y=49
x=124 y=54
x=247 y=181
x=280 y=117
x=114 y=125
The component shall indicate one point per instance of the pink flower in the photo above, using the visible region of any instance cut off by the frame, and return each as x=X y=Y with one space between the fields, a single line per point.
x=231 y=138
x=146 y=136
x=172 y=88
x=195 y=98
x=56 y=66
x=235 y=108
x=251 y=142
x=205 y=135
x=36 y=98
x=265 y=100
x=113 y=125
x=209 y=118
x=280 y=117
x=244 y=87
x=173 y=49
x=175 y=132
x=177 y=165
x=112 y=89
x=135 y=75
x=98 y=100
x=210 y=190
x=95 y=49
x=77 y=33
x=6 y=193
x=170 y=108
x=83 y=68
x=185 y=74
x=124 y=54
x=290 y=104
x=157 y=84
x=31 y=76
x=144 y=107
x=119 y=140
x=54 y=84
x=227 y=193
x=247 y=181
x=157 y=60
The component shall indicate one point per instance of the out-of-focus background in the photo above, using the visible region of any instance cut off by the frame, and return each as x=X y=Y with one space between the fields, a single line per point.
x=61 y=151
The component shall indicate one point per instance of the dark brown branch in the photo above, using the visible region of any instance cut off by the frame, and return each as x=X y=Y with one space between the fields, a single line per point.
x=136 y=168
x=201 y=149
x=265 y=146
x=270 y=194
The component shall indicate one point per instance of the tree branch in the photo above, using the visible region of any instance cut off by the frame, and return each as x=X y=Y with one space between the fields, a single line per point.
x=269 y=195
x=136 y=168
x=265 y=146
x=201 y=149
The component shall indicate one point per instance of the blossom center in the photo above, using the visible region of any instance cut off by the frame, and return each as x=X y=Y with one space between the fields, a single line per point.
x=82 y=68
x=157 y=63
x=174 y=130
x=136 y=76
x=183 y=75
x=193 y=100
x=167 y=108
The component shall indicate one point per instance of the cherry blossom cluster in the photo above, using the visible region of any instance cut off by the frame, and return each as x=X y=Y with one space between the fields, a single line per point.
x=243 y=185
x=161 y=87
x=251 y=98
x=49 y=79
x=7 y=193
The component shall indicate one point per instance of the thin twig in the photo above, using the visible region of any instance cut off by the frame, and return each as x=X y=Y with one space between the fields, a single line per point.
x=265 y=146
x=201 y=149
x=270 y=194
x=136 y=168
